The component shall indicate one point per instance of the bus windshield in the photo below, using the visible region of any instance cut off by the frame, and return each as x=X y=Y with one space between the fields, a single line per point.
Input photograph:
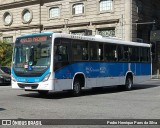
x=31 y=55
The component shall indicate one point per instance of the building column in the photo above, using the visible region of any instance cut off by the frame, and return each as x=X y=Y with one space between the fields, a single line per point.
x=128 y=20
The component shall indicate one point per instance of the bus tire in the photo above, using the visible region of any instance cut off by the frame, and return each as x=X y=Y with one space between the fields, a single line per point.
x=128 y=83
x=43 y=92
x=76 y=88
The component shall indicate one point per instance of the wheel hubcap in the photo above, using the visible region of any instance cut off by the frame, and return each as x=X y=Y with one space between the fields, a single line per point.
x=76 y=87
x=129 y=83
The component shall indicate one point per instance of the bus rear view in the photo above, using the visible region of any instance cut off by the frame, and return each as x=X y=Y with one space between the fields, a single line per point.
x=31 y=62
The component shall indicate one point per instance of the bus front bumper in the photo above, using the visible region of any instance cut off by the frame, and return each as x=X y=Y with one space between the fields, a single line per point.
x=47 y=85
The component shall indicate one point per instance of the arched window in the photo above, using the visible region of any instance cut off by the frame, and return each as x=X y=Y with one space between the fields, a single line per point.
x=106 y=5
x=54 y=12
x=78 y=9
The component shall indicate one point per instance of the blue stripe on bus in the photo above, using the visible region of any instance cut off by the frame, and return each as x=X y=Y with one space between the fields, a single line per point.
x=100 y=69
x=92 y=70
x=30 y=79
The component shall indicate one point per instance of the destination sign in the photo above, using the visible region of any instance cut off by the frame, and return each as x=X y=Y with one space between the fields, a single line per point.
x=33 y=39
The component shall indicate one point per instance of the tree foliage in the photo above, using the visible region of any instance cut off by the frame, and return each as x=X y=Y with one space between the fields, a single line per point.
x=5 y=53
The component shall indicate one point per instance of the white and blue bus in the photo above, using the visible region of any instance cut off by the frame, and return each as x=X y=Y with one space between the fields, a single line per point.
x=49 y=61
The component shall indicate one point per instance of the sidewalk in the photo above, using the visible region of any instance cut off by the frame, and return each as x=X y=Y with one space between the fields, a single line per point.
x=155 y=77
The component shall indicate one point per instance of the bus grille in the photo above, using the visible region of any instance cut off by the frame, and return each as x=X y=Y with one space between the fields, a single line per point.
x=33 y=86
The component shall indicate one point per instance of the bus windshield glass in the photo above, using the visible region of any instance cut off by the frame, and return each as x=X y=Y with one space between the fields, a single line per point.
x=32 y=55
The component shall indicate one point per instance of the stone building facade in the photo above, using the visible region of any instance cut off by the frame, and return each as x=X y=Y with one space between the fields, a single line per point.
x=119 y=18
x=131 y=20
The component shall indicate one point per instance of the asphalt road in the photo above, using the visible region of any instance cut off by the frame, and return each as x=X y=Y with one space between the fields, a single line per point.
x=143 y=102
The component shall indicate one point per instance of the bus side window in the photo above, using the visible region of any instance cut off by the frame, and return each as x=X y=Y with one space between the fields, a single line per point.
x=141 y=55
x=144 y=55
x=93 y=51
x=134 y=57
x=79 y=50
x=100 y=52
x=61 y=54
x=60 y=50
x=110 y=52
x=126 y=53
x=85 y=54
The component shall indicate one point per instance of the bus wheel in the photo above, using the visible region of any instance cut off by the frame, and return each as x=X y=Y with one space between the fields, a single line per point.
x=128 y=84
x=76 y=88
x=43 y=92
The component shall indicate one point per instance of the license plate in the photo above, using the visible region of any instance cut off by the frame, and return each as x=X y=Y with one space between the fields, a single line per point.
x=8 y=79
x=27 y=87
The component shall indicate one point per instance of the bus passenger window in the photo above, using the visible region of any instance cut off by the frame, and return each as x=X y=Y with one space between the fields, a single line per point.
x=61 y=50
x=94 y=51
x=134 y=57
x=85 y=54
x=80 y=50
x=123 y=53
x=100 y=52
x=61 y=53
x=144 y=56
x=126 y=53
x=110 y=52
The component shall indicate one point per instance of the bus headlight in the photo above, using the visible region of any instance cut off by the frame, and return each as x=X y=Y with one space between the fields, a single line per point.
x=13 y=78
x=46 y=77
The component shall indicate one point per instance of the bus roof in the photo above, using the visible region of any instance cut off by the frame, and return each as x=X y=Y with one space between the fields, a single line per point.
x=101 y=39
x=89 y=38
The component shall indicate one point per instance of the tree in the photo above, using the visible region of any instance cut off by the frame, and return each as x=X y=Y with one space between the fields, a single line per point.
x=5 y=53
